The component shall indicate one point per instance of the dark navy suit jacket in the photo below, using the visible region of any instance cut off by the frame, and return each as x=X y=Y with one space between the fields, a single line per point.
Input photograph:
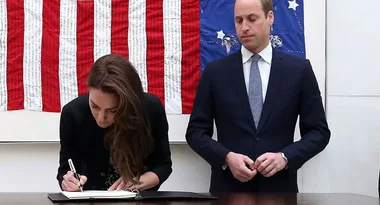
x=222 y=96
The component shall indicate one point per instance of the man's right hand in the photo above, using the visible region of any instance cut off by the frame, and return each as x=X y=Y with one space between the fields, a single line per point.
x=70 y=183
x=240 y=166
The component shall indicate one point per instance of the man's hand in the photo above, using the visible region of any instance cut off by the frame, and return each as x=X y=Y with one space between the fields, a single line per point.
x=269 y=164
x=241 y=166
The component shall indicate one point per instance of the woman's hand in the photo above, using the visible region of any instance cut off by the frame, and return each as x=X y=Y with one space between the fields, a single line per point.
x=70 y=183
x=147 y=181
x=120 y=184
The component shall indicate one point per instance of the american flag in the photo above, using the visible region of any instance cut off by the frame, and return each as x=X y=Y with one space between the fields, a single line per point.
x=48 y=46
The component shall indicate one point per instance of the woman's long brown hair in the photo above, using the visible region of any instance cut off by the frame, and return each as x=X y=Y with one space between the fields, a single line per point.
x=129 y=138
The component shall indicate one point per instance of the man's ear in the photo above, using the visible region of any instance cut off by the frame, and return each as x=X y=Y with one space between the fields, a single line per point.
x=270 y=17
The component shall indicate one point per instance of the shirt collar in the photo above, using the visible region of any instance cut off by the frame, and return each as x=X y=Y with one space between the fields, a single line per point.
x=265 y=54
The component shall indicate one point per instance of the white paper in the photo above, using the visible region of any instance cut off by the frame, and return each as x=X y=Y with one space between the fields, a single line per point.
x=88 y=194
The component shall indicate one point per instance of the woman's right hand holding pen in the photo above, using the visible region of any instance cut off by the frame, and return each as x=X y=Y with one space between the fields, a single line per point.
x=70 y=183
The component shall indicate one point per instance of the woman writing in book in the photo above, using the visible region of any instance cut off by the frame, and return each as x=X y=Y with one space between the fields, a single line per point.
x=116 y=135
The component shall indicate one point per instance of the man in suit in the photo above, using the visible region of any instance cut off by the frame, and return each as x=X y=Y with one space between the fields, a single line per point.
x=255 y=96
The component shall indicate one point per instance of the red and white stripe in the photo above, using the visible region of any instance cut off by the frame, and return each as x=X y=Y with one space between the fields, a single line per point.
x=102 y=28
x=137 y=38
x=67 y=59
x=51 y=63
x=47 y=48
x=3 y=55
x=173 y=54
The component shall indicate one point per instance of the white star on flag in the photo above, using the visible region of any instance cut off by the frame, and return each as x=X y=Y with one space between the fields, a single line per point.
x=220 y=34
x=293 y=5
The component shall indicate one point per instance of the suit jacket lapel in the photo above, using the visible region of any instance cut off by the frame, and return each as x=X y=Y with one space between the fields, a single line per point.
x=237 y=75
x=273 y=86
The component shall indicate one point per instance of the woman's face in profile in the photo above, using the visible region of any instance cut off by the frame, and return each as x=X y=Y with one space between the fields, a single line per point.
x=103 y=107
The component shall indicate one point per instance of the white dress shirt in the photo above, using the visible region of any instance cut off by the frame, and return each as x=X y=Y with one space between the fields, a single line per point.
x=264 y=66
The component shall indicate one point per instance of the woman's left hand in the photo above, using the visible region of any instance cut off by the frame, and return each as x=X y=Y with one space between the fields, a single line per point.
x=147 y=181
x=120 y=184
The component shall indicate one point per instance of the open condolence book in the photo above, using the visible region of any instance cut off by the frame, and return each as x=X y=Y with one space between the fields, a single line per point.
x=99 y=194
x=125 y=195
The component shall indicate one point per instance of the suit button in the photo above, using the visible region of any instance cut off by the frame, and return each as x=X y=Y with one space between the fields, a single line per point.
x=102 y=174
x=257 y=139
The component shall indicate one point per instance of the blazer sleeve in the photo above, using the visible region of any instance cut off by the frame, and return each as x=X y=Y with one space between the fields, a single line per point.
x=315 y=134
x=159 y=161
x=200 y=127
x=67 y=144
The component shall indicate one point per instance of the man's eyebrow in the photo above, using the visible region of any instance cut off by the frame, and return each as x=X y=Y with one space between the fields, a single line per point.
x=253 y=15
x=250 y=15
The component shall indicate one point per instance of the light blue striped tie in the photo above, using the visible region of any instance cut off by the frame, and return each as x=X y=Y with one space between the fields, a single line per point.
x=255 y=90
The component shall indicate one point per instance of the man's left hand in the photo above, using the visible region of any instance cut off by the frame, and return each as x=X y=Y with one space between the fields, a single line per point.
x=269 y=164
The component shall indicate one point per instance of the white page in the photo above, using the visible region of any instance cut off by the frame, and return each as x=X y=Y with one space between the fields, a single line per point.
x=98 y=194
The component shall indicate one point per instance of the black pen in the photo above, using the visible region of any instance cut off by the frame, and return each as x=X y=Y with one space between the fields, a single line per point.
x=75 y=173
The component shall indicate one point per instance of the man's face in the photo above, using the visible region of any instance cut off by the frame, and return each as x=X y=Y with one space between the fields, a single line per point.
x=252 y=25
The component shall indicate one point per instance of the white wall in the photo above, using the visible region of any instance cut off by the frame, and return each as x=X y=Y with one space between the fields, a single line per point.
x=44 y=127
x=353 y=107
x=33 y=167
x=353 y=98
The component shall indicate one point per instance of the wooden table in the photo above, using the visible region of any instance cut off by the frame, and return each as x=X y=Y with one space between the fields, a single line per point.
x=223 y=199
